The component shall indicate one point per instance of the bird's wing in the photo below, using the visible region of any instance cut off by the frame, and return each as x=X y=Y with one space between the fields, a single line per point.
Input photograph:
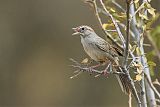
x=120 y=53
x=106 y=47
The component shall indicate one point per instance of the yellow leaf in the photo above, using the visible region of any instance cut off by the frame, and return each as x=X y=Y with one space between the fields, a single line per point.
x=112 y=10
x=84 y=61
x=139 y=53
x=144 y=27
x=141 y=35
x=130 y=46
x=133 y=48
x=137 y=65
x=138 y=77
x=147 y=5
x=139 y=70
x=156 y=82
x=105 y=25
x=122 y=16
x=117 y=21
x=136 y=1
x=143 y=16
x=152 y=12
x=150 y=9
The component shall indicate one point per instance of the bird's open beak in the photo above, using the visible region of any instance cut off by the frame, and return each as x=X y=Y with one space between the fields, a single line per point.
x=75 y=31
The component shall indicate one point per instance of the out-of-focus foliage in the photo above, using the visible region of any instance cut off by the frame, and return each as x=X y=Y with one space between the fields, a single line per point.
x=156 y=36
x=150 y=56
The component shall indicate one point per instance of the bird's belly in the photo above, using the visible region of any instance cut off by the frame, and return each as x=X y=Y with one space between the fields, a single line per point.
x=95 y=54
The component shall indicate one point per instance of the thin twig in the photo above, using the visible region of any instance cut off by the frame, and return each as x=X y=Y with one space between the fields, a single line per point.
x=115 y=24
x=111 y=30
x=124 y=27
x=119 y=23
x=119 y=6
x=146 y=88
x=97 y=10
x=152 y=86
x=140 y=7
x=126 y=52
x=130 y=99
x=158 y=100
x=83 y=68
x=137 y=33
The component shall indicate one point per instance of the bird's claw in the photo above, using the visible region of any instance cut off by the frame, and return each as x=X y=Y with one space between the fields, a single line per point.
x=105 y=73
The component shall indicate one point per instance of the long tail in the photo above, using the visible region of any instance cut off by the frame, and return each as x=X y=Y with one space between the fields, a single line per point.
x=123 y=81
x=126 y=85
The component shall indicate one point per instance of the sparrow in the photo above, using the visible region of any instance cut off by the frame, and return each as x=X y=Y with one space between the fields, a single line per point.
x=101 y=51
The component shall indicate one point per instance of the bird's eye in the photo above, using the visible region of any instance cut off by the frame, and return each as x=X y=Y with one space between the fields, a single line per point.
x=82 y=28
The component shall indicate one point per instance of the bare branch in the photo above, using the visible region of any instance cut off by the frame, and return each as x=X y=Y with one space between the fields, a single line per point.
x=119 y=6
x=119 y=23
x=140 y=7
x=137 y=38
x=97 y=10
x=145 y=86
x=130 y=99
x=115 y=24
x=81 y=68
x=151 y=85
x=126 y=52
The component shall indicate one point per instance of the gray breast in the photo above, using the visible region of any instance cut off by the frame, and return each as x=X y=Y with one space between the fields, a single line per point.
x=91 y=49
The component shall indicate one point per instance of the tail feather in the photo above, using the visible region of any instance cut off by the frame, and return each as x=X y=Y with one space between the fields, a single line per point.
x=123 y=82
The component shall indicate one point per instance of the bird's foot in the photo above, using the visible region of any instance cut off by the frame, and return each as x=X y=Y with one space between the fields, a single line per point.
x=105 y=73
x=90 y=69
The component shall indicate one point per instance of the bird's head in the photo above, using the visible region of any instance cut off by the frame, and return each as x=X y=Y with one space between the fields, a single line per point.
x=83 y=30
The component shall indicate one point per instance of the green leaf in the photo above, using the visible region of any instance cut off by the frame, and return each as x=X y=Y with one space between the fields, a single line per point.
x=151 y=63
x=151 y=68
x=150 y=55
x=156 y=36
x=107 y=25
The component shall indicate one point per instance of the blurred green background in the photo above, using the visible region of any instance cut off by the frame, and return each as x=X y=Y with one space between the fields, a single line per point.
x=35 y=47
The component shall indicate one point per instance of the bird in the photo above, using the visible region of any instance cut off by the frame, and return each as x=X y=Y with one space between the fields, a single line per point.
x=101 y=51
